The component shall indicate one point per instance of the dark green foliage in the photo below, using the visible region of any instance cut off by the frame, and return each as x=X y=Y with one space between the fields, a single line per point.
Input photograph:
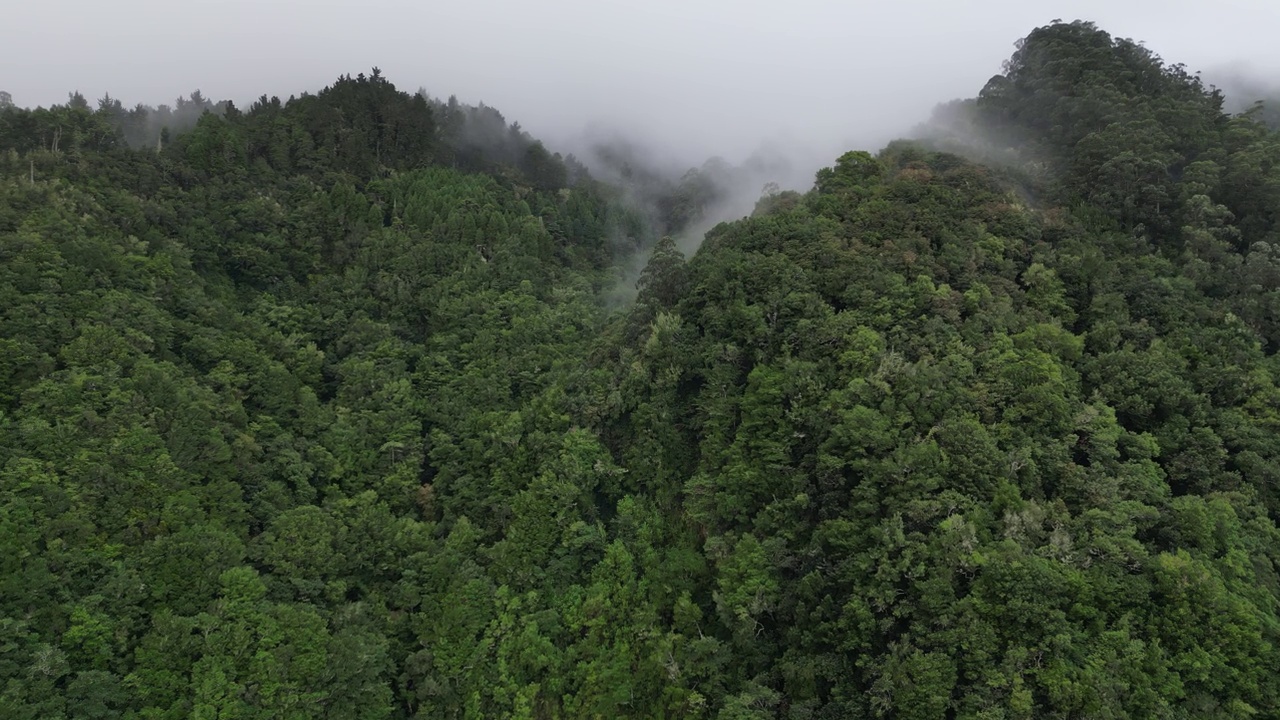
x=316 y=411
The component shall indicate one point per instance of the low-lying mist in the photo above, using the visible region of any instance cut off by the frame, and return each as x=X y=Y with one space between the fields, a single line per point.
x=693 y=113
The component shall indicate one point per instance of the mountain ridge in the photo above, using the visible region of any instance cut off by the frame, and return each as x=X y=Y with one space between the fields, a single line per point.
x=320 y=409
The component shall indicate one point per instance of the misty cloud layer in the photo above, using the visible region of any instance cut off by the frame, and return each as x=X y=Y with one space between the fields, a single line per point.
x=682 y=81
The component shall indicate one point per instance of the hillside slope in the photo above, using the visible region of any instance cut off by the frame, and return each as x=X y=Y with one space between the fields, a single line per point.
x=317 y=411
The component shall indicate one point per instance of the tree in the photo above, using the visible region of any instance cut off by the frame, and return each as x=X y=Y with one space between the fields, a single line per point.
x=662 y=280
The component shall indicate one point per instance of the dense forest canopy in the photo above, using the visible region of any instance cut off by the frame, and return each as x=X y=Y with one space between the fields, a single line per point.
x=316 y=408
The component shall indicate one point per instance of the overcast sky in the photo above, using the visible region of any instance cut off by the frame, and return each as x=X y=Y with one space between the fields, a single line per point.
x=694 y=76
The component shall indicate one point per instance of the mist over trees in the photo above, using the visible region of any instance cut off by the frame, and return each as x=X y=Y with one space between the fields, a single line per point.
x=332 y=407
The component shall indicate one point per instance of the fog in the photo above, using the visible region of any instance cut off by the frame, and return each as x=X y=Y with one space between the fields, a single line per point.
x=681 y=81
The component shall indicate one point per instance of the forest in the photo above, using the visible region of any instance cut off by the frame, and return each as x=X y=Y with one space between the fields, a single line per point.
x=320 y=408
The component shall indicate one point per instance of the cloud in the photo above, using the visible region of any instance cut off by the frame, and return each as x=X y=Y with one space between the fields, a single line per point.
x=684 y=79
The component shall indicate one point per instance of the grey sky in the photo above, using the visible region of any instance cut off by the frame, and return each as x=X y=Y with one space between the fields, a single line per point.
x=696 y=76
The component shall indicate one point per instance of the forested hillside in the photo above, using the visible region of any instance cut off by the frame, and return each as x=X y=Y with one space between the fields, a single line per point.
x=317 y=409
